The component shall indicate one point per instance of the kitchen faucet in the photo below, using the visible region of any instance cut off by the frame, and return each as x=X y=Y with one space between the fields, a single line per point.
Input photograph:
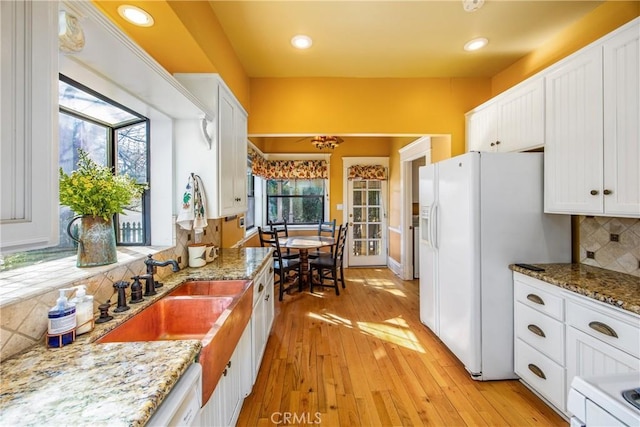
x=151 y=264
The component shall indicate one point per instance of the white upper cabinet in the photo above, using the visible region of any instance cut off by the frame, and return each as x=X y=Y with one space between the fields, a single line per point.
x=592 y=153
x=219 y=154
x=482 y=128
x=28 y=125
x=512 y=121
x=622 y=123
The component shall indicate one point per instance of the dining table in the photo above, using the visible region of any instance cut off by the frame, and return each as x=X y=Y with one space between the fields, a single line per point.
x=303 y=244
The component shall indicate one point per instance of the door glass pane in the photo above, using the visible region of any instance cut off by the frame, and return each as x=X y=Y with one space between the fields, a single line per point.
x=357 y=231
x=374 y=247
x=357 y=198
x=374 y=198
x=375 y=231
x=374 y=214
x=359 y=248
x=357 y=215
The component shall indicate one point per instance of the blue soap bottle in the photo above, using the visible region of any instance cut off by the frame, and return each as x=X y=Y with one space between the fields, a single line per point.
x=62 y=322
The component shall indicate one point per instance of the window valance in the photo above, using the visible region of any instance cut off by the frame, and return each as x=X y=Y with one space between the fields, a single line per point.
x=369 y=172
x=287 y=169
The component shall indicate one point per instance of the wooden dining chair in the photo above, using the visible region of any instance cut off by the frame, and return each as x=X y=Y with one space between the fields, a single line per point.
x=330 y=266
x=282 y=267
x=283 y=232
x=328 y=229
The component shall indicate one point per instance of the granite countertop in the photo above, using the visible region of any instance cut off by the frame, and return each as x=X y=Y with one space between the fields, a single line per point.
x=610 y=287
x=117 y=384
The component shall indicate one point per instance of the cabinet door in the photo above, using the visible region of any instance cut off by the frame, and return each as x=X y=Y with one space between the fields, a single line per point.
x=269 y=304
x=257 y=334
x=482 y=128
x=621 y=124
x=240 y=158
x=28 y=125
x=226 y=143
x=573 y=137
x=587 y=355
x=521 y=117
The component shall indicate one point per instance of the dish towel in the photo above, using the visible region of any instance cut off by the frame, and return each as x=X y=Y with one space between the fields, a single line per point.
x=193 y=215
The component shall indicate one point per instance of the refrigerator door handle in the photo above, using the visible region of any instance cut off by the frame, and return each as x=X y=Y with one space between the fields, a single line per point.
x=433 y=226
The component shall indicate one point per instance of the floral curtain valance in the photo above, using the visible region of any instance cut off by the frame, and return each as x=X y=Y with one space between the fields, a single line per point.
x=369 y=172
x=287 y=169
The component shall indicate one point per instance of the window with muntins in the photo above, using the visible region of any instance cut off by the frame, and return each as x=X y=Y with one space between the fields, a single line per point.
x=298 y=201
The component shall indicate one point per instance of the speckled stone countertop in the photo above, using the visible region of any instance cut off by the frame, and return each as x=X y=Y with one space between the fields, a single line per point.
x=117 y=384
x=610 y=287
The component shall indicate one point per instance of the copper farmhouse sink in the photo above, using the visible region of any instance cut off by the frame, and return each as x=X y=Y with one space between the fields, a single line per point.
x=211 y=287
x=214 y=312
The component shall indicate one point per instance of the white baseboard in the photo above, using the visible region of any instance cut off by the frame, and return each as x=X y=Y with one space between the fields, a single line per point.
x=394 y=266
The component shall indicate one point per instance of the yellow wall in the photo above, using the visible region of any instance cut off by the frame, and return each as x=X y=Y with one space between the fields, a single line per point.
x=604 y=19
x=376 y=106
x=232 y=233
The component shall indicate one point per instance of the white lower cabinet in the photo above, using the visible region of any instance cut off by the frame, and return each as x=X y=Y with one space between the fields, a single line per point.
x=262 y=319
x=236 y=383
x=223 y=407
x=560 y=335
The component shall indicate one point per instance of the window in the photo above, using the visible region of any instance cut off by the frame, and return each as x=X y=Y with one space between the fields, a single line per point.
x=114 y=136
x=250 y=217
x=299 y=201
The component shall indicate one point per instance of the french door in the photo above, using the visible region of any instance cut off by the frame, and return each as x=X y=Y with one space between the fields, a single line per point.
x=367 y=239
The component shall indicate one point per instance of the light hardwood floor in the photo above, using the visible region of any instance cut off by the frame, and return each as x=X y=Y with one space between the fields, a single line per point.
x=364 y=359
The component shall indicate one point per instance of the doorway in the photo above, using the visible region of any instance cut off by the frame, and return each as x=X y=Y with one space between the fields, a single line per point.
x=366 y=212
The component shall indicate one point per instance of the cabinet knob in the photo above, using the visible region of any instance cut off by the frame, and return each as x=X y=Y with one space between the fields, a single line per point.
x=497 y=142
x=607 y=192
x=493 y=144
x=261 y=287
x=594 y=192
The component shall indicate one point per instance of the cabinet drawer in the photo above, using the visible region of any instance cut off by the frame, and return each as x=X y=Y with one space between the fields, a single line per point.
x=531 y=293
x=541 y=373
x=606 y=325
x=260 y=282
x=540 y=331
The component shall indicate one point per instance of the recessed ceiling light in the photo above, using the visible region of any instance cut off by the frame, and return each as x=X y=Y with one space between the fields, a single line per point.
x=301 y=41
x=475 y=44
x=135 y=15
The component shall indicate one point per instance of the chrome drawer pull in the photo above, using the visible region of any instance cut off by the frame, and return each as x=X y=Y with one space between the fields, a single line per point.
x=603 y=329
x=537 y=371
x=535 y=298
x=536 y=330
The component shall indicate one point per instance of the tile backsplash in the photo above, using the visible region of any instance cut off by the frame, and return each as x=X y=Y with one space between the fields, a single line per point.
x=611 y=243
x=27 y=294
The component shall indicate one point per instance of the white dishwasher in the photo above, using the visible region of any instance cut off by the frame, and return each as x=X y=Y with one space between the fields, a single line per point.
x=182 y=405
x=608 y=400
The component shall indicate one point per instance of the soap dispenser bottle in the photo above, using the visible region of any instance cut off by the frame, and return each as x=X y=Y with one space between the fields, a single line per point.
x=84 y=310
x=62 y=322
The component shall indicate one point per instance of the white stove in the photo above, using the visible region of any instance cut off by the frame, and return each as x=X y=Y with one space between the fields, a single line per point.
x=599 y=400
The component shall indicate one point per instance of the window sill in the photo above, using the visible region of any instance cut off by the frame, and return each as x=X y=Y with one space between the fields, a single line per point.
x=38 y=279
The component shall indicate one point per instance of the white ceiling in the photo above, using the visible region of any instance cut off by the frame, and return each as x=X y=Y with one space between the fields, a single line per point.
x=390 y=38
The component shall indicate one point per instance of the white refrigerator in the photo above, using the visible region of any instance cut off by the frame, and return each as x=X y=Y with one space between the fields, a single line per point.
x=480 y=212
